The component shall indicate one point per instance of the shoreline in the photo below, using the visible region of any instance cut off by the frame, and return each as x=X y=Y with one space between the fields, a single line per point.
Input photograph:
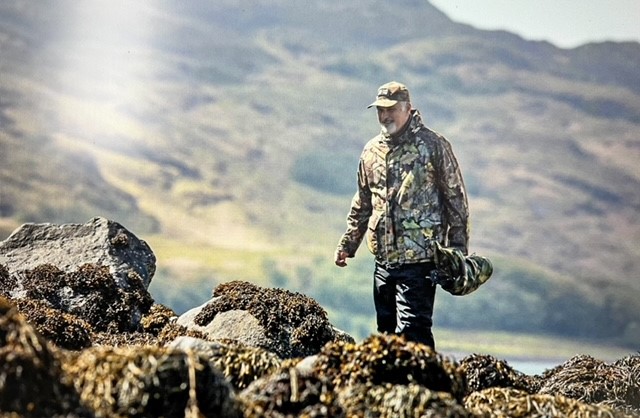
x=532 y=352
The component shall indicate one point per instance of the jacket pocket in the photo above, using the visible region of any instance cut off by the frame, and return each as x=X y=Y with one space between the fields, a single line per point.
x=419 y=230
x=373 y=235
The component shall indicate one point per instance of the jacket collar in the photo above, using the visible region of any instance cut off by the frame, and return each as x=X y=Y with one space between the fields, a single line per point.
x=408 y=131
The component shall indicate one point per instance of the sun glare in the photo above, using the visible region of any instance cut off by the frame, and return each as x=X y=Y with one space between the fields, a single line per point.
x=105 y=66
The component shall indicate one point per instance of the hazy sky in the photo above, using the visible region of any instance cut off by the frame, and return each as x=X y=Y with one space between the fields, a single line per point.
x=565 y=23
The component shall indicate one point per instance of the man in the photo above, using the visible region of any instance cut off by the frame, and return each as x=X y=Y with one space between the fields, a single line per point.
x=410 y=202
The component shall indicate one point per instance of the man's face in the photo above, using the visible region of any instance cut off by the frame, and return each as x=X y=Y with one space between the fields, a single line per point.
x=393 y=118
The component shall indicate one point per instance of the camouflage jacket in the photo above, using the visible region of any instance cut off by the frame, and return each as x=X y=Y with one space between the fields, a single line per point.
x=410 y=192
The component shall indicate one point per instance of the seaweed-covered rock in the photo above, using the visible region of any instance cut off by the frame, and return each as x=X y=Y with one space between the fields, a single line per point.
x=631 y=366
x=6 y=281
x=173 y=330
x=389 y=359
x=31 y=382
x=158 y=317
x=149 y=382
x=240 y=364
x=286 y=323
x=60 y=328
x=156 y=330
x=124 y=339
x=485 y=371
x=90 y=293
x=514 y=403
x=69 y=246
x=289 y=393
x=398 y=401
x=235 y=324
x=595 y=382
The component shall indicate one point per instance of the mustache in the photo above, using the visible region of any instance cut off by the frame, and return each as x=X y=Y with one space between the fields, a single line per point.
x=388 y=127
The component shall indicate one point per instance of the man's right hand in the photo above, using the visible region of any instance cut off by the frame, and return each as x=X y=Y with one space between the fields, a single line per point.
x=341 y=258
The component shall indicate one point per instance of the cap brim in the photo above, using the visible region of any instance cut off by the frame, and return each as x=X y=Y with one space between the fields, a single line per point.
x=383 y=102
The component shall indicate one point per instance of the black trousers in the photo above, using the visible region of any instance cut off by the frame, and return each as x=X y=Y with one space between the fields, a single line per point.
x=404 y=297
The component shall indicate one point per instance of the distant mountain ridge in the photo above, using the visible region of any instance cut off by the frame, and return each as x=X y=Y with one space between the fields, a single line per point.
x=226 y=127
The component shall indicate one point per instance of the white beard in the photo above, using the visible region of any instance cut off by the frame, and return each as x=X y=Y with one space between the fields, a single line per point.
x=389 y=129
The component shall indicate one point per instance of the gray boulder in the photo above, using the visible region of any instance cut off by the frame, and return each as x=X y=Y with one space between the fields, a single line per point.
x=235 y=324
x=98 y=272
x=69 y=246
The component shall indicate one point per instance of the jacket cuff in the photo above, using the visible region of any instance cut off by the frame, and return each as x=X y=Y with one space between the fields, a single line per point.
x=347 y=249
x=462 y=247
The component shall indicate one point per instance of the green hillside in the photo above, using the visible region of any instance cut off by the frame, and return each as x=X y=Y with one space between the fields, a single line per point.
x=227 y=136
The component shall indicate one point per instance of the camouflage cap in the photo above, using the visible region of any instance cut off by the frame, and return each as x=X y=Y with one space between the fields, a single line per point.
x=391 y=93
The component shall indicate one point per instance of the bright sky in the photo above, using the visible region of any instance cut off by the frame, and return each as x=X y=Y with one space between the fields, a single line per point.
x=565 y=23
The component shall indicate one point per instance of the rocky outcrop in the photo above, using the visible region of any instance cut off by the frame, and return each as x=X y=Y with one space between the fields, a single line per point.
x=98 y=271
x=71 y=344
x=69 y=246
